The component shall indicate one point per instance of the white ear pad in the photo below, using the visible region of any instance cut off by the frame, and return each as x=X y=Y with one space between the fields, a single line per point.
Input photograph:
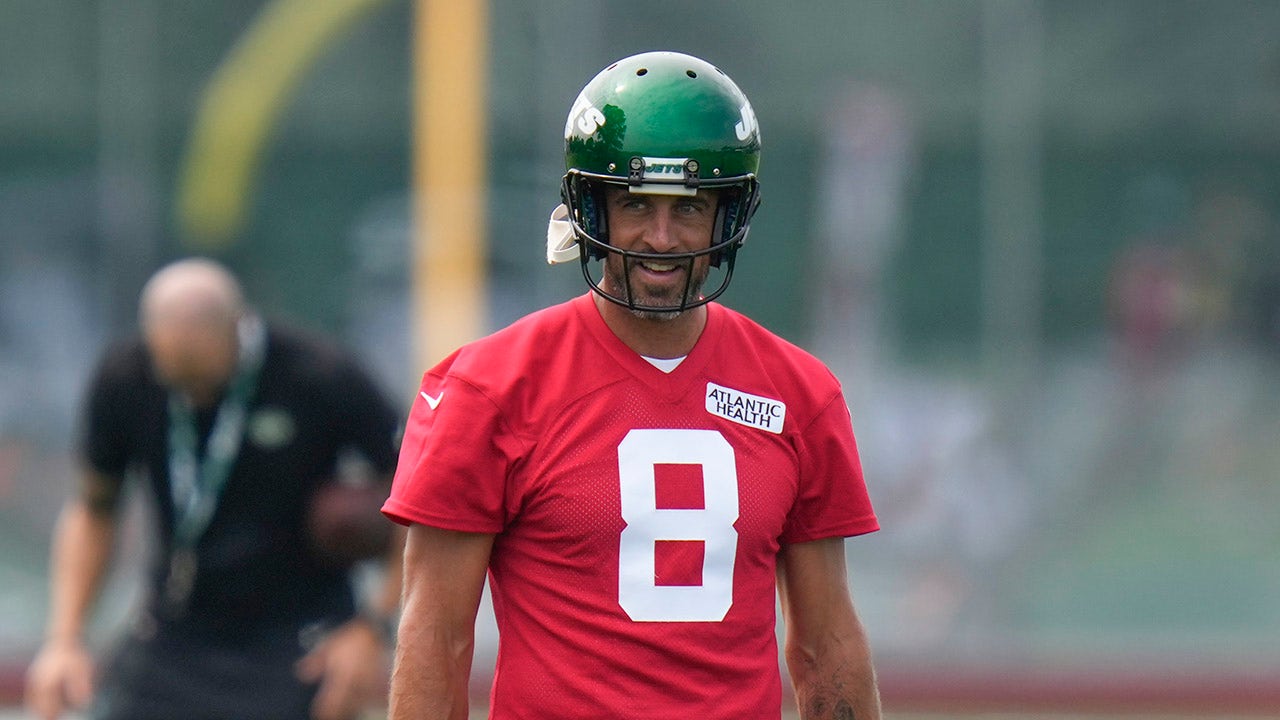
x=562 y=245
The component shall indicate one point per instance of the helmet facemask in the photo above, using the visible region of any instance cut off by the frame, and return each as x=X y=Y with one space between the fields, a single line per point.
x=583 y=194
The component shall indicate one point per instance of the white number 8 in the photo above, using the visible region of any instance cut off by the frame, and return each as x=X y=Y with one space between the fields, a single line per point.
x=638 y=593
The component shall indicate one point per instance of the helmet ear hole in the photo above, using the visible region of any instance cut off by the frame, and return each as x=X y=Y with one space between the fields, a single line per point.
x=723 y=228
x=595 y=218
x=585 y=202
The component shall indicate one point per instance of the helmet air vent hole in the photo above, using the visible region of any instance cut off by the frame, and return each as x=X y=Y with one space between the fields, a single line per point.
x=642 y=71
x=691 y=73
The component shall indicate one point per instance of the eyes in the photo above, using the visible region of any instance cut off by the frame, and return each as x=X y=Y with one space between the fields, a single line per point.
x=689 y=207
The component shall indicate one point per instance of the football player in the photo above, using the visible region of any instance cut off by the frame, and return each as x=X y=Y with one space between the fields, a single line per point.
x=639 y=471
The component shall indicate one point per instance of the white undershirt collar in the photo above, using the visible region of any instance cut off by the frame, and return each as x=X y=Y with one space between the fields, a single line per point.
x=666 y=365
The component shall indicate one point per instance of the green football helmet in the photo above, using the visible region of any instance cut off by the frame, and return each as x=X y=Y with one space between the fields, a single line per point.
x=660 y=123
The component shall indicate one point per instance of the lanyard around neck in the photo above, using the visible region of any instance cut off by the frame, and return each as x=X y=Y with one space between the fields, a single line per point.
x=196 y=485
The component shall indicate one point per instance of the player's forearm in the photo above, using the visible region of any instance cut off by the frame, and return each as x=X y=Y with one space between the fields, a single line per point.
x=836 y=682
x=827 y=651
x=82 y=547
x=431 y=676
x=443 y=580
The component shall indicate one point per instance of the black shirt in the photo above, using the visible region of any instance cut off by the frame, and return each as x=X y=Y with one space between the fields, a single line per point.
x=313 y=405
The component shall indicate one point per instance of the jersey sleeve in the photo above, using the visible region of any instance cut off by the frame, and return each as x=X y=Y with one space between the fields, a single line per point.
x=832 y=500
x=455 y=459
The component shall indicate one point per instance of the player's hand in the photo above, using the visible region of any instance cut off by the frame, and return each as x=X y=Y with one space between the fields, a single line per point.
x=352 y=667
x=59 y=679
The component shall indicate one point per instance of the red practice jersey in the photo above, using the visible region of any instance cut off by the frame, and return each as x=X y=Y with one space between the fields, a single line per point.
x=638 y=513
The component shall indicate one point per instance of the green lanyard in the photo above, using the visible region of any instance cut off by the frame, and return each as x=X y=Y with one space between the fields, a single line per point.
x=197 y=486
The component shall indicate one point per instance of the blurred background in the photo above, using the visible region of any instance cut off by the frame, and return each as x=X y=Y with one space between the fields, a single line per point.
x=1038 y=241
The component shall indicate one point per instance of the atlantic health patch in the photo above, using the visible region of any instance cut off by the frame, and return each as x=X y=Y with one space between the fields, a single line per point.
x=746 y=409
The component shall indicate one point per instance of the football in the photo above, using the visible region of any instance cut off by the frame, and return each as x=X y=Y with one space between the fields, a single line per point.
x=345 y=524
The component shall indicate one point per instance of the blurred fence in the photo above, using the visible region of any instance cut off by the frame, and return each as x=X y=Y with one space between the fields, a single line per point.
x=1037 y=240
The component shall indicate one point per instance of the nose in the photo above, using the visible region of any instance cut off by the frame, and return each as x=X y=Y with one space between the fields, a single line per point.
x=661 y=233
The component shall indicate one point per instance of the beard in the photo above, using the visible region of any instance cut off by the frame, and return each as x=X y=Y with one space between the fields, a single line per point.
x=618 y=284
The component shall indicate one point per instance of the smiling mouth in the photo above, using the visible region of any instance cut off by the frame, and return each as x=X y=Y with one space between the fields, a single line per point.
x=658 y=267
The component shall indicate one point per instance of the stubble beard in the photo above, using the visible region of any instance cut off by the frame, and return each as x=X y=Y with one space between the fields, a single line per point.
x=616 y=283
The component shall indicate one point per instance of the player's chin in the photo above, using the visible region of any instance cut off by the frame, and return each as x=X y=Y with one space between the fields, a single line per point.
x=660 y=308
x=664 y=302
x=658 y=315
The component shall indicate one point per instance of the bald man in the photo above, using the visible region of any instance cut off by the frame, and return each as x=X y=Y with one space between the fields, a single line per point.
x=190 y=312
x=231 y=424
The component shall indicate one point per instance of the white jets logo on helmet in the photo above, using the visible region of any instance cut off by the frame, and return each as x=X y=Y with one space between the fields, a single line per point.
x=585 y=116
x=747 y=125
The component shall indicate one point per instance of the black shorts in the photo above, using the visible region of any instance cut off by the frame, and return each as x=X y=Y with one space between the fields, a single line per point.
x=176 y=677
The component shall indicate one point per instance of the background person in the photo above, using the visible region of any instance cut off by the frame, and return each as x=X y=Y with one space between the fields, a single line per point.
x=233 y=424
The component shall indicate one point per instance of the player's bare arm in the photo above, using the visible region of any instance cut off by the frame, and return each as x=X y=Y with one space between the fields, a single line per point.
x=444 y=574
x=827 y=651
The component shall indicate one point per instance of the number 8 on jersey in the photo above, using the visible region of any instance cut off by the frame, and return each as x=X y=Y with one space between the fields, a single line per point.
x=639 y=594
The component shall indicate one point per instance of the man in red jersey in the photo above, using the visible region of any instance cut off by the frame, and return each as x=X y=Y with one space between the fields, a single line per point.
x=639 y=471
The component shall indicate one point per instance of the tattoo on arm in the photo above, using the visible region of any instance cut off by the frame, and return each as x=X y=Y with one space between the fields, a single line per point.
x=817 y=707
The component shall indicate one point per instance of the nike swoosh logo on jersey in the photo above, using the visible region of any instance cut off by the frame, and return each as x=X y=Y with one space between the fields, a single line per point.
x=432 y=402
